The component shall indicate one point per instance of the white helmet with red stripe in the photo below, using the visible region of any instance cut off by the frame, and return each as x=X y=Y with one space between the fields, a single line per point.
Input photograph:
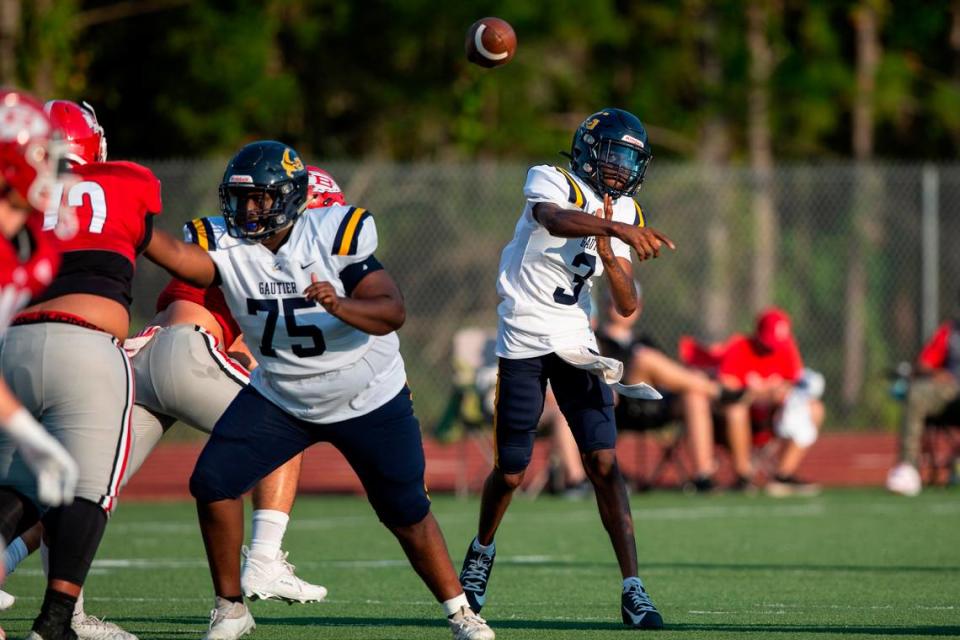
x=322 y=189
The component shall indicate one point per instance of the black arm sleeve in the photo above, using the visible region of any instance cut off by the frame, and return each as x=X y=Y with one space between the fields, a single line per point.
x=147 y=233
x=354 y=273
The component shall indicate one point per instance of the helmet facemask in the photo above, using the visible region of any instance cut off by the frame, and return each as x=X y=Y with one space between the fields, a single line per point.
x=101 y=155
x=618 y=168
x=256 y=213
x=610 y=152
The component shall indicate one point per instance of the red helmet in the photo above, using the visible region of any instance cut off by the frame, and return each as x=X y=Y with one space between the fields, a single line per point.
x=29 y=147
x=86 y=140
x=322 y=189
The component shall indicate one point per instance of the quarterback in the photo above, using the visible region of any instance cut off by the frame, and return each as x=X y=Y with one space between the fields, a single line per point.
x=577 y=225
x=320 y=314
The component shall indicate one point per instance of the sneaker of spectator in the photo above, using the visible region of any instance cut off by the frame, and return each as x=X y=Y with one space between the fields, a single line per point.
x=784 y=486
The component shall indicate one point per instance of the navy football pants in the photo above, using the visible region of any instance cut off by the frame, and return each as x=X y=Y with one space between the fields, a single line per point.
x=254 y=437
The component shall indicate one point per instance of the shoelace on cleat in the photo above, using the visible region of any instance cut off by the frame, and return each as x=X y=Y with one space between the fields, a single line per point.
x=639 y=599
x=87 y=619
x=215 y=614
x=286 y=565
x=477 y=571
x=468 y=619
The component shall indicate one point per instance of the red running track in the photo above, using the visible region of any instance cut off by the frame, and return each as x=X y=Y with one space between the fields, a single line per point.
x=837 y=459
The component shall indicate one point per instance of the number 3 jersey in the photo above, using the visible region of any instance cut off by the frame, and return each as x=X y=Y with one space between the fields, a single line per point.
x=545 y=281
x=311 y=364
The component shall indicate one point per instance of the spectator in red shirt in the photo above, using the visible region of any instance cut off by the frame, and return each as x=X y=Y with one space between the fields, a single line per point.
x=688 y=391
x=769 y=366
x=934 y=387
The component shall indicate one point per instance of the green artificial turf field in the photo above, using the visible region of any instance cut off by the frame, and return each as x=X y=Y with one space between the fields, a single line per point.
x=849 y=564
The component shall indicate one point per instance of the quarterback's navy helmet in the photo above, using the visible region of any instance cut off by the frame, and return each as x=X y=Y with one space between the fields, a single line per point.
x=610 y=152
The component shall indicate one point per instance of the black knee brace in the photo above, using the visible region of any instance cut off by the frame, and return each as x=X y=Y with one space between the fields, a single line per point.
x=17 y=514
x=74 y=532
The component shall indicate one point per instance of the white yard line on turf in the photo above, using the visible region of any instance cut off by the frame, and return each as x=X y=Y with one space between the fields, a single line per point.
x=105 y=565
x=803 y=508
x=780 y=608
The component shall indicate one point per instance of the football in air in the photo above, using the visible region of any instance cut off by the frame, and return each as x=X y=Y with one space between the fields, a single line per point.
x=491 y=42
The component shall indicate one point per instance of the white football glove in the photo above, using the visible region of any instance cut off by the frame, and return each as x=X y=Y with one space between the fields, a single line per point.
x=55 y=470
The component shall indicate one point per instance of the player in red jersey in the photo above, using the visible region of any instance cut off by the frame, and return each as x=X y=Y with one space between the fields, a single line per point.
x=28 y=261
x=781 y=392
x=64 y=353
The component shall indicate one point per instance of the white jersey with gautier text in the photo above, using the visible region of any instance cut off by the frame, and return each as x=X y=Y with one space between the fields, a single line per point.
x=545 y=281
x=311 y=364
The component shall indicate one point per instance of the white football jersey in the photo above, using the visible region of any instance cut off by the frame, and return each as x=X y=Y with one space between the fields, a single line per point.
x=311 y=364
x=545 y=281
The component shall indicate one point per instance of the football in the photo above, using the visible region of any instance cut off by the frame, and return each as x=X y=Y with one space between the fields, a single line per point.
x=491 y=42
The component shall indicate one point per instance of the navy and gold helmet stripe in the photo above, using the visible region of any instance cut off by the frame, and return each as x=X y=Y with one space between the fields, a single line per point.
x=576 y=193
x=639 y=220
x=345 y=242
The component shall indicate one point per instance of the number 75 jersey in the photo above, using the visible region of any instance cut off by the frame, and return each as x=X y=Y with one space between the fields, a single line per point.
x=297 y=343
x=545 y=281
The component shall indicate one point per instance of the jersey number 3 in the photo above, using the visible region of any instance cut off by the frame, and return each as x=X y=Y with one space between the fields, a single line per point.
x=98 y=204
x=290 y=305
x=560 y=296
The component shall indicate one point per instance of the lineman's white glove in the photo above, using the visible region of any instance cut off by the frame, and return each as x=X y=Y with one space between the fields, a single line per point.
x=55 y=470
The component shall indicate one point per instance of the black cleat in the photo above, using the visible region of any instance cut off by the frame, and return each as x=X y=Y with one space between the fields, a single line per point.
x=475 y=574
x=637 y=609
x=49 y=631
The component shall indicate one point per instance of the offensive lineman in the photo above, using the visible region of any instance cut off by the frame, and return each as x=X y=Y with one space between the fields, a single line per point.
x=544 y=334
x=309 y=290
x=195 y=326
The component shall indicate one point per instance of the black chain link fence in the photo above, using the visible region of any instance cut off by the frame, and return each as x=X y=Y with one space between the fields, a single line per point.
x=840 y=247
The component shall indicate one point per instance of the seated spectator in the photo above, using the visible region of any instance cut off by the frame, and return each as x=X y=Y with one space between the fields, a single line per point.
x=780 y=392
x=933 y=388
x=688 y=393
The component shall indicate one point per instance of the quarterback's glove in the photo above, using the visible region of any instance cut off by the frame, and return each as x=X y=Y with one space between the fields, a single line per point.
x=55 y=470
